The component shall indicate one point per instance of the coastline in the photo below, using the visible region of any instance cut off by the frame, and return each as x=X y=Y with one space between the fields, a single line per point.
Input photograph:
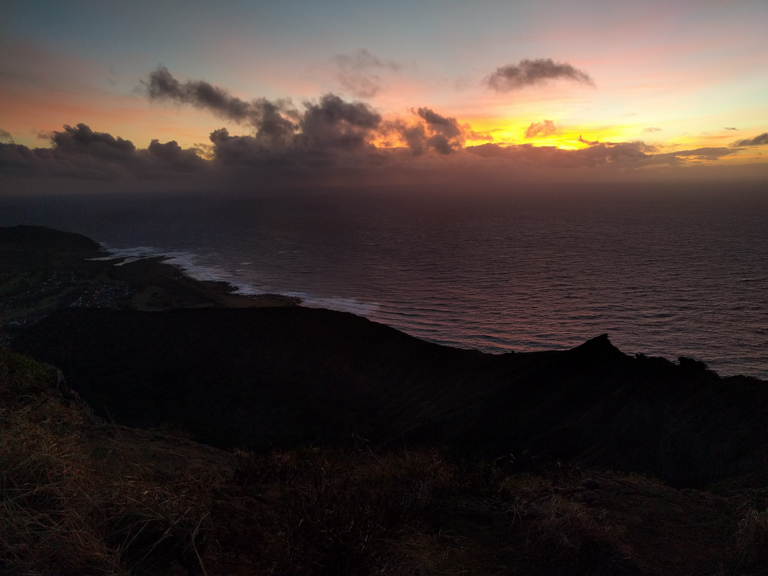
x=44 y=270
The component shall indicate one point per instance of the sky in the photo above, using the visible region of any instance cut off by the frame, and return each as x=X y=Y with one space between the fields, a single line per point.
x=247 y=94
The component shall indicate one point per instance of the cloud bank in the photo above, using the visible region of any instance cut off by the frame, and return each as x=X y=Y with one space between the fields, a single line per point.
x=761 y=140
x=532 y=72
x=323 y=141
x=81 y=153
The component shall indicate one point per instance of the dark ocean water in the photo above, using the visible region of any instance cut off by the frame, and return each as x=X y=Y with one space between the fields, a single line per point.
x=664 y=272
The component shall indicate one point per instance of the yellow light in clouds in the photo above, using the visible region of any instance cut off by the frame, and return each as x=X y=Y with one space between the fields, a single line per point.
x=567 y=137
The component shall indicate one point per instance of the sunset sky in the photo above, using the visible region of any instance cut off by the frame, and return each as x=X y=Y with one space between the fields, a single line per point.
x=361 y=91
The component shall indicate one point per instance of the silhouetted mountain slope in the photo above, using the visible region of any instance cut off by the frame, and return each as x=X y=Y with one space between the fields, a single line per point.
x=27 y=238
x=286 y=376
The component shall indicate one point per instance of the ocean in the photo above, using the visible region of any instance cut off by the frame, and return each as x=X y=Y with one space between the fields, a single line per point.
x=664 y=271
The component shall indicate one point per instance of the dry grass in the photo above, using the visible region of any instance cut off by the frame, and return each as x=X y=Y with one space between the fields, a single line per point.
x=79 y=496
x=339 y=511
x=324 y=511
x=64 y=510
x=569 y=533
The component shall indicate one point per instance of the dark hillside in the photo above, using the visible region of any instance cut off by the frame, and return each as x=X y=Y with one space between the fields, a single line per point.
x=288 y=376
x=81 y=496
x=39 y=238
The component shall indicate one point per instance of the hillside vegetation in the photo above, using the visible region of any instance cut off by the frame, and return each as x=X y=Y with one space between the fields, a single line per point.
x=83 y=496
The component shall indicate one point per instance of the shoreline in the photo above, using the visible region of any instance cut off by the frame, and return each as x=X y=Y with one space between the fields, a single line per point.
x=229 y=294
x=185 y=263
x=44 y=270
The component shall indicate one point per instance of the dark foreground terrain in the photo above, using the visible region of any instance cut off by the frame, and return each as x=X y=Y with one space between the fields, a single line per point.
x=334 y=445
x=83 y=496
x=286 y=377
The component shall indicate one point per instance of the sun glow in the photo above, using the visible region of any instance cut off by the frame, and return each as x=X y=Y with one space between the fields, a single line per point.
x=554 y=133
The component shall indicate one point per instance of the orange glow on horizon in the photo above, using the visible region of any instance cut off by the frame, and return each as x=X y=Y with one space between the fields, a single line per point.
x=565 y=137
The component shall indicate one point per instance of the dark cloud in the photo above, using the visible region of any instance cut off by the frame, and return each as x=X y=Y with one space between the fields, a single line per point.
x=329 y=123
x=590 y=142
x=330 y=134
x=175 y=156
x=163 y=86
x=440 y=143
x=704 y=153
x=275 y=121
x=731 y=128
x=236 y=151
x=82 y=140
x=544 y=128
x=81 y=153
x=652 y=129
x=5 y=136
x=443 y=125
x=332 y=122
x=532 y=72
x=434 y=131
x=356 y=72
x=414 y=136
x=318 y=133
x=761 y=140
